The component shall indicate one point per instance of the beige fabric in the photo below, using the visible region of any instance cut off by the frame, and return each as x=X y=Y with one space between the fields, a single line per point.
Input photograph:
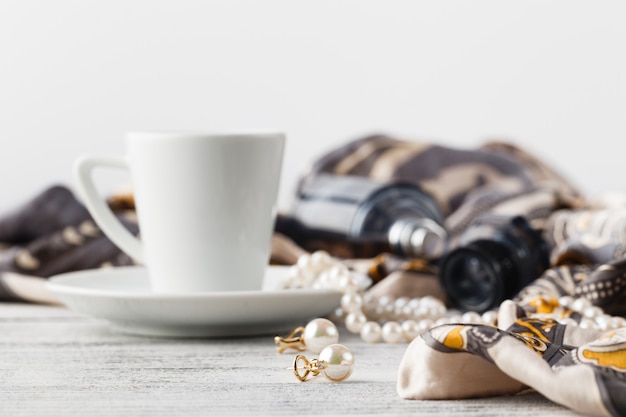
x=579 y=368
x=29 y=288
x=427 y=374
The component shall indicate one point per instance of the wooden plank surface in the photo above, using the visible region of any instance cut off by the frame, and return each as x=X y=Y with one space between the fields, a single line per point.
x=55 y=362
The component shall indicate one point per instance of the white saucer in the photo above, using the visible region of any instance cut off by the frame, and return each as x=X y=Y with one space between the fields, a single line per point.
x=122 y=296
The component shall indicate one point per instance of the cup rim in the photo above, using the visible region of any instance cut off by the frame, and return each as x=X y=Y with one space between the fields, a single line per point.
x=202 y=134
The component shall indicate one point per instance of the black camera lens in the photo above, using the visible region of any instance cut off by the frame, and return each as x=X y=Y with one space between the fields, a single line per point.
x=472 y=276
x=496 y=257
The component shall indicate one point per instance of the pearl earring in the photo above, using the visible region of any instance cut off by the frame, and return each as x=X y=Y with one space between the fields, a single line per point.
x=315 y=336
x=335 y=361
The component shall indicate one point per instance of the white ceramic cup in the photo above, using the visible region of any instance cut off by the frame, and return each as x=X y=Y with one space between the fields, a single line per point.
x=205 y=205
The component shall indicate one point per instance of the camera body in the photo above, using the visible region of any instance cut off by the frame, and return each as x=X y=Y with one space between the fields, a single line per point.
x=357 y=217
x=495 y=258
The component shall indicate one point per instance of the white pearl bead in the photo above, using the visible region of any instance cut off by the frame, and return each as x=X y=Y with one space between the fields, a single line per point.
x=371 y=332
x=384 y=301
x=428 y=299
x=566 y=301
x=321 y=259
x=425 y=325
x=471 y=317
x=401 y=302
x=490 y=317
x=324 y=280
x=361 y=281
x=355 y=322
x=592 y=312
x=406 y=311
x=351 y=302
x=336 y=272
x=392 y=332
x=295 y=279
x=368 y=299
x=586 y=323
x=304 y=261
x=410 y=330
x=431 y=311
x=388 y=310
x=346 y=284
x=603 y=321
x=454 y=319
x=580 y=304
x=415 y=315
x=414 y=303
x=568 y=321
x=443 y=320
x=423 y=311
x=319 y=333
x=339 y=362
x=438 y=309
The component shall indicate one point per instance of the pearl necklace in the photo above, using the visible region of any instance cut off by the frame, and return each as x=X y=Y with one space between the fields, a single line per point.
x=404 y=318
x=375 y=319
x=592 y=316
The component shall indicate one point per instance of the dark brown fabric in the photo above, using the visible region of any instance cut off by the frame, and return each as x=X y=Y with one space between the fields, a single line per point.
x=448 y=174
x=49 y=211
x=53 y=233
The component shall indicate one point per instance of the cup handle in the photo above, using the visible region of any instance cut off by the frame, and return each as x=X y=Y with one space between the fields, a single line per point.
x=100 y=211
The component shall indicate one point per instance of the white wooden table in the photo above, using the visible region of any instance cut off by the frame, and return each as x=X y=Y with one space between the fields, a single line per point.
x=55 y=362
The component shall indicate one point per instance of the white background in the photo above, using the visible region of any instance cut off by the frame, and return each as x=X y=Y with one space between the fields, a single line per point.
x=75 y=75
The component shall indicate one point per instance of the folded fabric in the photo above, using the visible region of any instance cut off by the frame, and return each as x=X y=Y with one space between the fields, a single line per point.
x=51 y=234
x=49 y=211
x=449 y=174
x=602 y=285
x=556 y=336
x=576 y=367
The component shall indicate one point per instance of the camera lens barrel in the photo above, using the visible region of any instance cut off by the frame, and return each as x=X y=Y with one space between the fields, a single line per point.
x=496 y=257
